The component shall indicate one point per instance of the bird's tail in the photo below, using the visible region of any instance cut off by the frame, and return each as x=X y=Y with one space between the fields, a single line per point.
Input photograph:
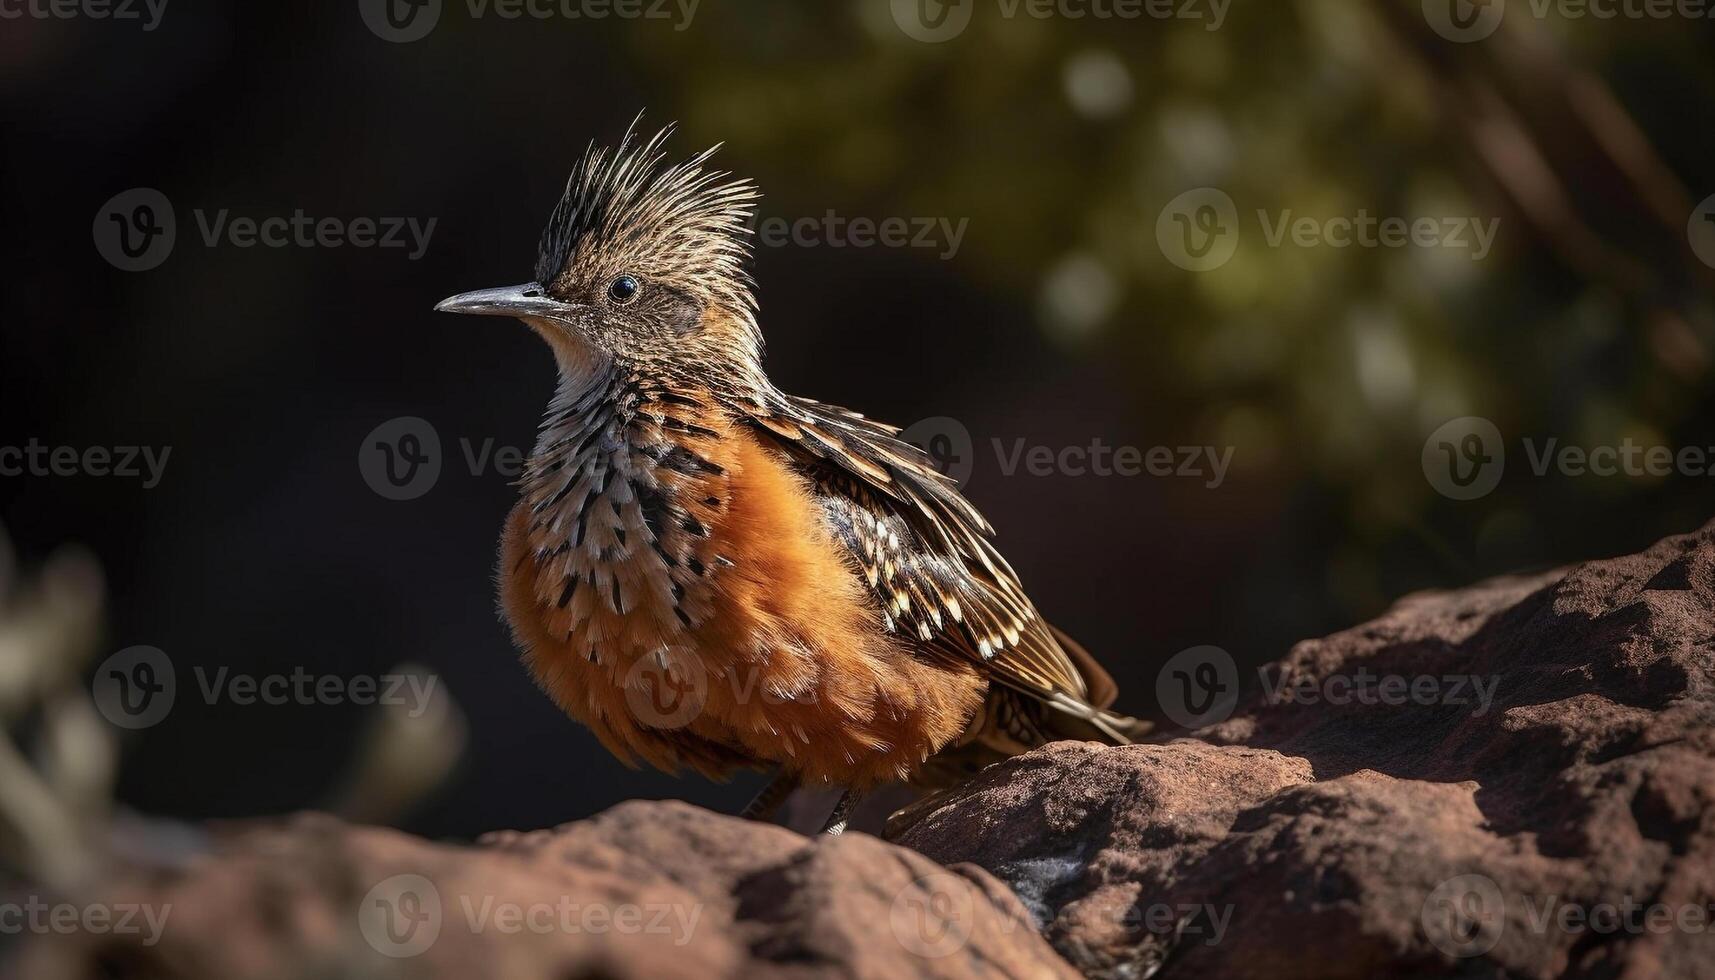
x=1013 y=722
x=1070 y=718
x=1062 y=717
x=1092 y=718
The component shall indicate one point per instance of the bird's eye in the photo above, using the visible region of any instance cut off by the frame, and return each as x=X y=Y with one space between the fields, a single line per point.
x=623 y=289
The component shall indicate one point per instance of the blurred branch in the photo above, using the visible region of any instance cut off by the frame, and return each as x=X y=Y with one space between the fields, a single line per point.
x=54 y=804
x=1555 y=140
x=406 y=753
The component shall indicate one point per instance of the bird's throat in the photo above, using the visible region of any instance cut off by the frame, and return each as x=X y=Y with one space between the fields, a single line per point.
x=619 y=496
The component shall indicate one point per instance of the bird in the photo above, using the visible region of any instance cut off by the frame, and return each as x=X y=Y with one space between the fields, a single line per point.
x=712 y=574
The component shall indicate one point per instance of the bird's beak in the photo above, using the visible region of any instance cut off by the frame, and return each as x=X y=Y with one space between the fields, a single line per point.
x=527 y=300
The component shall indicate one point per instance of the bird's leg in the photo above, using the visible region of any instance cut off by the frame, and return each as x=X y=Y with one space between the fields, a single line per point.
x=766 y=803
x=836 y=824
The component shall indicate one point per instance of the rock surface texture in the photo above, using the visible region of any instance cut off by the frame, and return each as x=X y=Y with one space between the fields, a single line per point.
x=1565 y=826
x=1514 y=779
x=645 y=890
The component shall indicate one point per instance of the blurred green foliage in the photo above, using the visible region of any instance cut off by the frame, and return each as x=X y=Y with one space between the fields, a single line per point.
x=1062 y=140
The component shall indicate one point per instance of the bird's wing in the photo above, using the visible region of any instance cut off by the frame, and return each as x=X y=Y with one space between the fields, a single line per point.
x=924 y=550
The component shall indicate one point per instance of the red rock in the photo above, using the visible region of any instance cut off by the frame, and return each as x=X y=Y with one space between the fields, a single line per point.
x=1353 y=840
x=1540 y=829
x=645 y=890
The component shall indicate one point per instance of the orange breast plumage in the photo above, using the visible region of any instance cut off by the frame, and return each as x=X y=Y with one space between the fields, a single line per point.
x=674 y=586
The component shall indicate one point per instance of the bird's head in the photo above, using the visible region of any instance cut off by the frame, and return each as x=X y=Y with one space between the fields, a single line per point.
x=642 y=266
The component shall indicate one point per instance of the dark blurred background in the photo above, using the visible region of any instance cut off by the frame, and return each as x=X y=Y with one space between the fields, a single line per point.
x=1058 y=319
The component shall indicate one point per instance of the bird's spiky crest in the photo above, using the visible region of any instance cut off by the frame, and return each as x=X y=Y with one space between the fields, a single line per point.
x=683 y=217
